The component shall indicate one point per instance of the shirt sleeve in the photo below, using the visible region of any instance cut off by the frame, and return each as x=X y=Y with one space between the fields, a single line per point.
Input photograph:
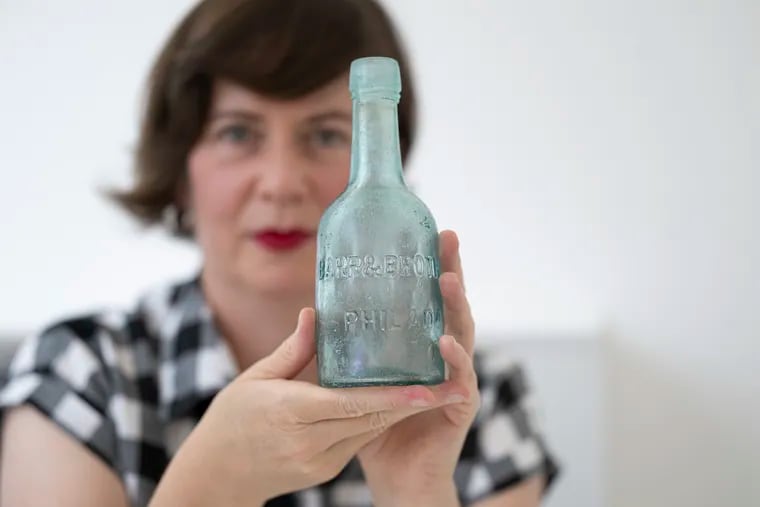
x=505 y=445
x=60 y=373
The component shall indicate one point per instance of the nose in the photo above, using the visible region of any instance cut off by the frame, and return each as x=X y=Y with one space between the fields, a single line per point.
x=282 y=179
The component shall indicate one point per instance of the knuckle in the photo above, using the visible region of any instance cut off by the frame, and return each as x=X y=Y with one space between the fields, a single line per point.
x=471 y=329
x=349 y=406
x=379 y=422
x=394 y=403
x=292 y=350
x=287 y=351
x=470 y=325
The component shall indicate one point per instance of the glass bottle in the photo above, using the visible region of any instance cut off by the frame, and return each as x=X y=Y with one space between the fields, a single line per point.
x=378 y=302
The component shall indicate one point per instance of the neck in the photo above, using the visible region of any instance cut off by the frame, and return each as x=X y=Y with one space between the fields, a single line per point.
x=376 y=152
x=254 y=324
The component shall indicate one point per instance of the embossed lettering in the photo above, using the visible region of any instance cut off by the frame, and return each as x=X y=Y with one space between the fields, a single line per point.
x=350 y=319
x=419 y=265
x=368 y=319
x=428 y=318
x=412 y=322
x=432 y=267
x=341 y=267
x=394 y=322
x=369 y=266
x=384 y=320
x=406 y=264
x=391 y=261
x=355 y=264
x=346 y=267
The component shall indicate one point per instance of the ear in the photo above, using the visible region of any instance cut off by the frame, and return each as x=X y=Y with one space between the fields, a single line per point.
x=183 y=209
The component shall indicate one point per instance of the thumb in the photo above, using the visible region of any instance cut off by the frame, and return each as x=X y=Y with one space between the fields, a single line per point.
x=293 y=354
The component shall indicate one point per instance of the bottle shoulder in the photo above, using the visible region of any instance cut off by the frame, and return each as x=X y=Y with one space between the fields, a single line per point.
x=388 y=198
x=379 y=204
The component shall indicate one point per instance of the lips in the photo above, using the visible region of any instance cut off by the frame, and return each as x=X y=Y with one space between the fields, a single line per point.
x=282 y=240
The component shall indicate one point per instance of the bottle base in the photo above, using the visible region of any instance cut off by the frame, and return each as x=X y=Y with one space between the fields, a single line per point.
x=381 y=379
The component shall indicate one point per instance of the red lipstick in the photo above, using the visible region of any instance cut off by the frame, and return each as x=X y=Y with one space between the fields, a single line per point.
x=281 y=240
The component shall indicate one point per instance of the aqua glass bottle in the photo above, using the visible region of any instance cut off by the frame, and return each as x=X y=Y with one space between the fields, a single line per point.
x=379 y=307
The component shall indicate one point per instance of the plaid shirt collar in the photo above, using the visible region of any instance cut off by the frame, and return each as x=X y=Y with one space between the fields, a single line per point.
x=195 y=361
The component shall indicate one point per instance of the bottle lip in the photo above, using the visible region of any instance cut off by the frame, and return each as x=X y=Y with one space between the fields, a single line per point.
x=375 y=77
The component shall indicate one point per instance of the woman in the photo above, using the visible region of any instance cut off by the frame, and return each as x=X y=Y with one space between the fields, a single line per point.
x=203 y=394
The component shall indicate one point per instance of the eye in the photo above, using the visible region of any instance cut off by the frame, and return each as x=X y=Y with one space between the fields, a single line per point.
x=329 y=138
x=235 y=133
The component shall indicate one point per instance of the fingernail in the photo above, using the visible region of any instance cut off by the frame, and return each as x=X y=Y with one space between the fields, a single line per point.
x=455 y=398
x=420 y=402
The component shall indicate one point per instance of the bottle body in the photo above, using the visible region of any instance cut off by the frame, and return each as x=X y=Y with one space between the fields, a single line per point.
x=379 y=306
x=378 y=301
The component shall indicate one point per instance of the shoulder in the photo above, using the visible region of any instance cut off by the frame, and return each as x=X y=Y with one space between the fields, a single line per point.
x=75 y=348
x=67 y=371
x=91 y=351
x=100 y=377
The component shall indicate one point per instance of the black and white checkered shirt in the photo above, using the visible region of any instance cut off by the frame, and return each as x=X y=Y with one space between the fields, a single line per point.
x=130 y=386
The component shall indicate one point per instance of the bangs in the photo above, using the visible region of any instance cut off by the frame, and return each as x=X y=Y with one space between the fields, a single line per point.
x=286 y=48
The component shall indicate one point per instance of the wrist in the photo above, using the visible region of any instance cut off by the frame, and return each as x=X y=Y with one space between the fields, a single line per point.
x=194 y=479
x=439 y=494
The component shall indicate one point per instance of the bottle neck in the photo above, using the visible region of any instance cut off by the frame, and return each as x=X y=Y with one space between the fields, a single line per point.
x=375 y=150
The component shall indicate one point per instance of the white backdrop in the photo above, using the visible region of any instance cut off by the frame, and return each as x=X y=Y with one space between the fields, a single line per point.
x=598 y=158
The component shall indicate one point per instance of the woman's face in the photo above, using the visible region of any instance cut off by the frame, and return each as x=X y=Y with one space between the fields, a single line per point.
x=261 y=175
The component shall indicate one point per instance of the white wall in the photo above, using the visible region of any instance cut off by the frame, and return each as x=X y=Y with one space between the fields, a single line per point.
x=612 y=155
x=608 y=152
x=69 y=94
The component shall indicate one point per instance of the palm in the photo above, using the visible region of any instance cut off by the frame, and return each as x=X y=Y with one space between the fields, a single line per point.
x=416 y=441
x=428 y=444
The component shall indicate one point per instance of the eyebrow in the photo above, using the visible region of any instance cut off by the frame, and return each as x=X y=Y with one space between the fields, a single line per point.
x=335 y=114
x=237 y=113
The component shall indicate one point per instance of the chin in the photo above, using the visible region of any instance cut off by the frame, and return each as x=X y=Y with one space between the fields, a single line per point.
x=280 y=280
x=283 y=274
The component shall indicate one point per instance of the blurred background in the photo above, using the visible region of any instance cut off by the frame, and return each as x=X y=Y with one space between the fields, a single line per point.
x=600 y=160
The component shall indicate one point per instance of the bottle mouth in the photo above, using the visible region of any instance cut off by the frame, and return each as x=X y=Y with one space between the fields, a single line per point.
x=375 y=77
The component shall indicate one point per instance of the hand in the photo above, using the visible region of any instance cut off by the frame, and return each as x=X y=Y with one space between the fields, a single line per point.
x=265 y=434
x=416 y=458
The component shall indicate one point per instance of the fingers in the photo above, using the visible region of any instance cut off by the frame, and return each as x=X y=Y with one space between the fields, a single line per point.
x=348 y=403
x=343 y=438
x=461 y=369
x=449 y=254
x=293 y=354
x=331 y=431
x=462 y=380
x=456 y=311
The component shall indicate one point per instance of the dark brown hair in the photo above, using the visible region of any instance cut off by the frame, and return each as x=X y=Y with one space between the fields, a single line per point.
x=280 y=48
